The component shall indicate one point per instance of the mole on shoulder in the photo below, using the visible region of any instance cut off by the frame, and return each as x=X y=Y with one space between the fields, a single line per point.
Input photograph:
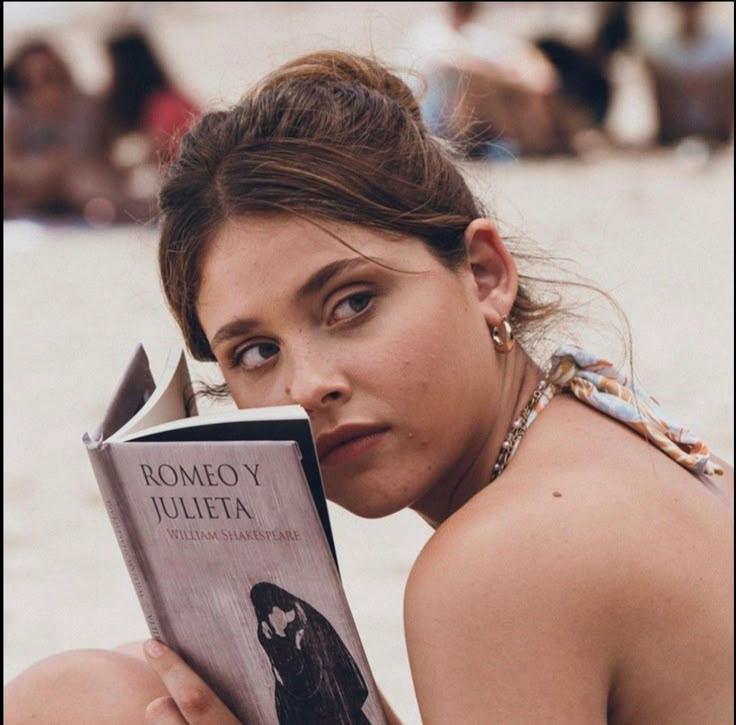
x=556 y=494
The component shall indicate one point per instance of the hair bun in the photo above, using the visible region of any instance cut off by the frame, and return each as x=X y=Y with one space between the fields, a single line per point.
x=340 y=68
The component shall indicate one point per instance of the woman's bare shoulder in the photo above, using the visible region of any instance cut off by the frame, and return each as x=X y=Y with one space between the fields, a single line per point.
x=512 y=600
x=614 y=522
x=554 y=525
x=547 y=585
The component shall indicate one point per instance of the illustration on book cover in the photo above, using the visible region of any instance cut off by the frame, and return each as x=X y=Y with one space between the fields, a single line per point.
x=316 y=678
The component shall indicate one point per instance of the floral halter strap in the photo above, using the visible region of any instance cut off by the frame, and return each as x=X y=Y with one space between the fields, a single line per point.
x=598 y=383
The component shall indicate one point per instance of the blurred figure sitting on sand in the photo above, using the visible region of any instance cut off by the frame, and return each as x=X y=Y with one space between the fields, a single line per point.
x=143 y=101
x=497 y=94
x=56 y=145
x=692 y=75
x=584 y=70
x=487 y=91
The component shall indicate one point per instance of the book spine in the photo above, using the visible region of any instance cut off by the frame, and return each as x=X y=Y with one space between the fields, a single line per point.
x=107 y=481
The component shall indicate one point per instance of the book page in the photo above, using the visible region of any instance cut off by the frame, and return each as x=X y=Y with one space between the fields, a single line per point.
x=171 y=406
x=148 y=427
x=167 y=403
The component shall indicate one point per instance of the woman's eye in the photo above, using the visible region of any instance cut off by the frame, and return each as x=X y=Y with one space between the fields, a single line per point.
x=351 y=306
x=253 y=356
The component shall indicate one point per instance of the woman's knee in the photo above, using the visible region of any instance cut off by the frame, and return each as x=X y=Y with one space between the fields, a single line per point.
x=82 y=686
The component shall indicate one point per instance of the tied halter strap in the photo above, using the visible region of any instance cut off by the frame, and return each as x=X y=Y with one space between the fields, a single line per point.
x=599 y=384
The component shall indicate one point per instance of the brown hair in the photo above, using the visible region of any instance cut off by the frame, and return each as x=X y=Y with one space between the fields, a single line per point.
x=328 y=136
x=14 y=81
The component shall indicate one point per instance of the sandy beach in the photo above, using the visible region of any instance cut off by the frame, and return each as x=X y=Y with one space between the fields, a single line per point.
x=654 y=229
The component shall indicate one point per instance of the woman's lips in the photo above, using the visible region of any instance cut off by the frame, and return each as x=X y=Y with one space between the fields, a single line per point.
x=348 y=442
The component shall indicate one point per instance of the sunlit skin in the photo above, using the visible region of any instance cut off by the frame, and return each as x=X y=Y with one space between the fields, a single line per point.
x=401 y=343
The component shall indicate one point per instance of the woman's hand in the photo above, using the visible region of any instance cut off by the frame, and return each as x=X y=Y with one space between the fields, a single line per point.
x=190 y=701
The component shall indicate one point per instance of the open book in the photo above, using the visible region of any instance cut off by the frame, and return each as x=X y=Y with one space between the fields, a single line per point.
x=223 y=525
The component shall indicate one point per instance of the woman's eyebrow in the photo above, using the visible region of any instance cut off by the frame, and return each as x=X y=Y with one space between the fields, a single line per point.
x=322 y=276
x=237 y=328
x=241 y=327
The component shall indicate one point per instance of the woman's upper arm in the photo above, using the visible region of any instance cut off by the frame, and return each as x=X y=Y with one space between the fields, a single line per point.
x=506 y=624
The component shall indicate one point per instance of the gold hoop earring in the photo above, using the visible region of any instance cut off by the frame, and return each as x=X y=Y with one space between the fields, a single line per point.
x=503 y=338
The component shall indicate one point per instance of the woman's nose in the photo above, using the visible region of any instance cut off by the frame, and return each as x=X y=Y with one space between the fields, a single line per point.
x=315 y=382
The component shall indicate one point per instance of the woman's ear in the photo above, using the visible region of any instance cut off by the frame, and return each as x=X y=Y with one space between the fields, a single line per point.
x=493 y=269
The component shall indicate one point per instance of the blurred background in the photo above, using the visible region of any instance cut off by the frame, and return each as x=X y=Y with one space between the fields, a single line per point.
x=603 y=131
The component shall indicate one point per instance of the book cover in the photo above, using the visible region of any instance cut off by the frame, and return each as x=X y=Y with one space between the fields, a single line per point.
x=223 y=525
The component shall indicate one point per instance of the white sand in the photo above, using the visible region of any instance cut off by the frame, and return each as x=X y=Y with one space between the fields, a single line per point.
x=656 y=230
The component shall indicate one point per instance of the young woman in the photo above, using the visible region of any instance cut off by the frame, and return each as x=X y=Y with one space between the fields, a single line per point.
x=320 y=246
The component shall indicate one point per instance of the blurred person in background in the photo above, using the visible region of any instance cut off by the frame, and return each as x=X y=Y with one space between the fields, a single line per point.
x=692 y=76
x=142 y=100
x=489 y=90
x=486 y=90
x=56 y=144
x=584 y=70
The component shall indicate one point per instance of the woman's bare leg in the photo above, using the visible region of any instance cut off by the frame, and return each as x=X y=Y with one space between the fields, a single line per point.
x=84 y=687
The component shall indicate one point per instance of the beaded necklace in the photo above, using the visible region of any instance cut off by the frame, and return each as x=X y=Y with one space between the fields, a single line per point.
x=543 y=393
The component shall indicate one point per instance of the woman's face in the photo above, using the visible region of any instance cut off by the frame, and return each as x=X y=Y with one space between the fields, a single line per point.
x=44 y=82
x=391 y=358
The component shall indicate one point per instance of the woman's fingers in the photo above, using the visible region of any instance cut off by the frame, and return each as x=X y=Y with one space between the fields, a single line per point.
x=193 y=701
x=164 y=711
